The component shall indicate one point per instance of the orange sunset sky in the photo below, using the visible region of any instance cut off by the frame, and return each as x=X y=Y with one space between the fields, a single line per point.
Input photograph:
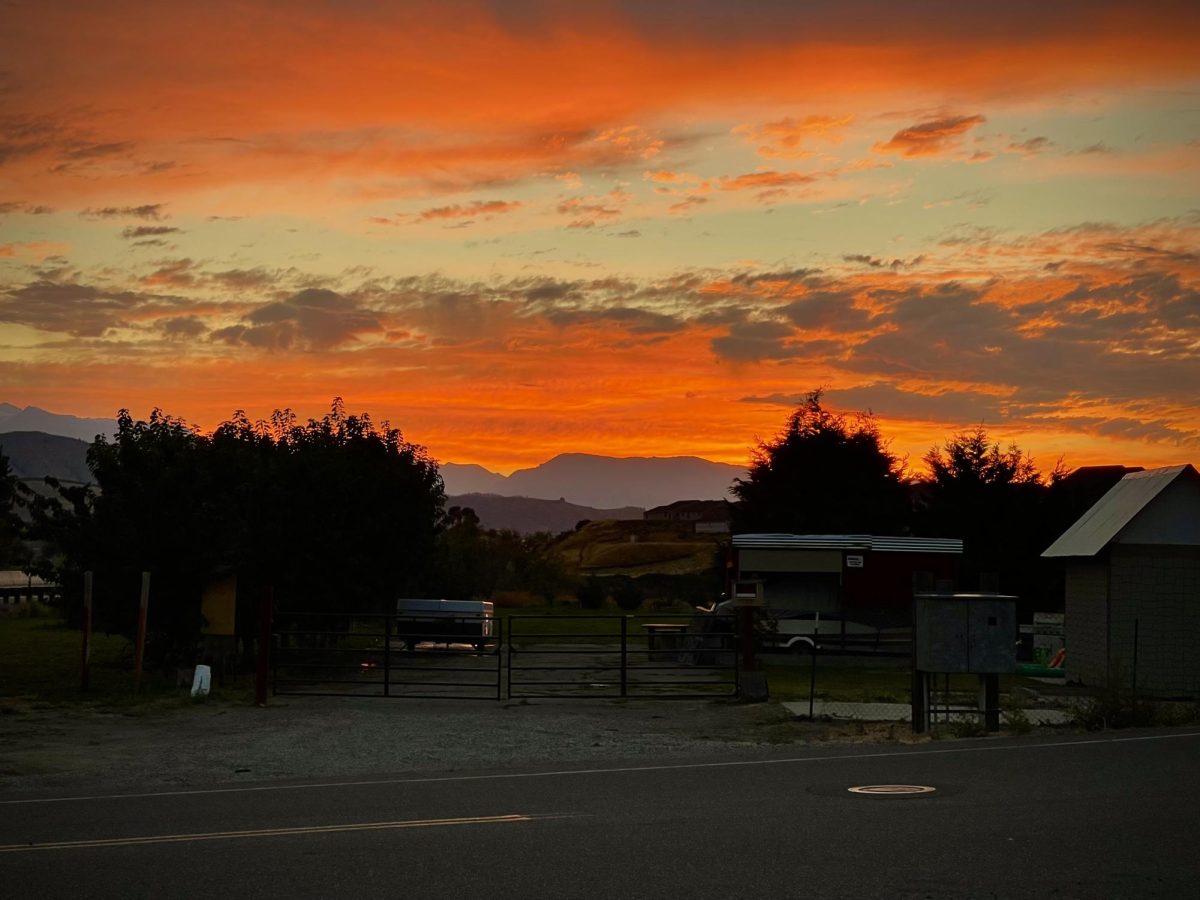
x=516 y=229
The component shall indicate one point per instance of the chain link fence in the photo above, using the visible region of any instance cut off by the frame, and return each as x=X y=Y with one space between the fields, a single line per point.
x=821 y=684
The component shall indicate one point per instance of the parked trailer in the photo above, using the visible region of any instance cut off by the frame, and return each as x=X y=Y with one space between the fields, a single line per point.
x=444 y=622
x=799 y=631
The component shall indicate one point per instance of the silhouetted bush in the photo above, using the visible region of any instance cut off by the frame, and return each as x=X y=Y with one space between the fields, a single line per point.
x=628 y=595
x=592 y=593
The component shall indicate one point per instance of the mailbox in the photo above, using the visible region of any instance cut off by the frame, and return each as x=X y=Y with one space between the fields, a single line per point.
x=748 y=593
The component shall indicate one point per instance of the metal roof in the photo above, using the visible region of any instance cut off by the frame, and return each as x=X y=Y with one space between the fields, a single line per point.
x=1112 y=512
x=847 y=542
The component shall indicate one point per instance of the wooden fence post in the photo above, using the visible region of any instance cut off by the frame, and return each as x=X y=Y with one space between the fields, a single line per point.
x=140 y=651
x=265 y=610
x=84 y=671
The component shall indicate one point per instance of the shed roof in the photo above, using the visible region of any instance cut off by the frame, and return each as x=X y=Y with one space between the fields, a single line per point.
x=847 y=542
x=1116 y=509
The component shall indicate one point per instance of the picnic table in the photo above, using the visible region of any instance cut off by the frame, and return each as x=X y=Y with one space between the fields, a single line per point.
x=664 y=638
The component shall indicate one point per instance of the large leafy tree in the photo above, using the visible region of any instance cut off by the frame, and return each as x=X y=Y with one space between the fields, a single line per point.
x=151 y=510
x=823 y=474
x=337 y=514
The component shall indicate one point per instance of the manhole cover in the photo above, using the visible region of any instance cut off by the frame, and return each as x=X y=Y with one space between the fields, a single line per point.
x=892 y=790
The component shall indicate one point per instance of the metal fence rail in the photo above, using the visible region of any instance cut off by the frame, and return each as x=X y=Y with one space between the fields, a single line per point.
x=386 y=655
x=660 y=656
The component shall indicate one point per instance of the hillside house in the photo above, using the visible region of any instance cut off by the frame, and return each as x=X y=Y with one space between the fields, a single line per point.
x=706 y=516
x=1133 y=584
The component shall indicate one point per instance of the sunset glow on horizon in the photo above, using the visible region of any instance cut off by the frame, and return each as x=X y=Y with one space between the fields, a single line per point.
x=517 y=229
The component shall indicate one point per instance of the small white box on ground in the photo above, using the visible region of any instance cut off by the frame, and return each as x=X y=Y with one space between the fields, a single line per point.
x=201 y=681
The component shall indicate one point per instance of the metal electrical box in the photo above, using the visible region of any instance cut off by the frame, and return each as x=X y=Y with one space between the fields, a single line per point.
x=974 y=633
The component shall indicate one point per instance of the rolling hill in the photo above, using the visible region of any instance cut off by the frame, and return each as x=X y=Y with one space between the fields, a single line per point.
x=32 y=454
x=529 y=514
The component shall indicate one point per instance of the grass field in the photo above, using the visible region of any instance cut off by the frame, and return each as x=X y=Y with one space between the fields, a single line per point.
x=849 y=684
x=41 y=667
x=40 y=664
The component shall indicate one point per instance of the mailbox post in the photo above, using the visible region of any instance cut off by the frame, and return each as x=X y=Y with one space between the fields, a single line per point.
x=748 y=597
x=963 y=633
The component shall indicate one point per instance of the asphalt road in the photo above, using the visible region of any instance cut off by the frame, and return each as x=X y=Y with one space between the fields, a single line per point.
x=1108 y=816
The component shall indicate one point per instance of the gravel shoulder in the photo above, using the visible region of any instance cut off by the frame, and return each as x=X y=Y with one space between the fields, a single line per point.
x=52 y=750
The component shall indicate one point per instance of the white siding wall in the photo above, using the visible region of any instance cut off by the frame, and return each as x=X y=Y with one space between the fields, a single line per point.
x=1086 y=621
x=1160 y=588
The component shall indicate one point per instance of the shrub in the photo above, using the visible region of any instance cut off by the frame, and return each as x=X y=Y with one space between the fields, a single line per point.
x=1114 y=707
x=628 y=595
x=1017 y=720
x=592 y=594
x=516 y=599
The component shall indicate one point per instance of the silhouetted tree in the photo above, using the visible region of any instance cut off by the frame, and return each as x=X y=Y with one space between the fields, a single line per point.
x=824 y=474
x=10 y=524
x=153 y=512
x=993 y=499
x=336 y=514
x=347 y=513
x=465 y=567
x=476 y=563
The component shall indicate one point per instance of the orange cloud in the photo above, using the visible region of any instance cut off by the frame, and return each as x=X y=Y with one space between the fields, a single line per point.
x=34 y=249
x=631 y=140
x=123 y=110
x=470 y=210
x=588 y=211
x=666 y=176
x=766 y=179
x=687 y=204
x=322 y=93
x=785 y=138
x=930 y=138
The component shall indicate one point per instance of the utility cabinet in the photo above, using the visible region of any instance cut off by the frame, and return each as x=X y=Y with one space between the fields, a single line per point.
x=956 y=633
x=962 y=634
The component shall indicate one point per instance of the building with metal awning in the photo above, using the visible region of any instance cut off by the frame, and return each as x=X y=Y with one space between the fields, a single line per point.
x=854 y=583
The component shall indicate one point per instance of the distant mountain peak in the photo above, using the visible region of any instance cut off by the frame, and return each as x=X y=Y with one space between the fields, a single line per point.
x=33 y=418
x=584 y=479
x=603 y=482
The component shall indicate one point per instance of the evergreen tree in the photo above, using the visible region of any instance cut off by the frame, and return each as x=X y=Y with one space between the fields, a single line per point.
x=824 y=474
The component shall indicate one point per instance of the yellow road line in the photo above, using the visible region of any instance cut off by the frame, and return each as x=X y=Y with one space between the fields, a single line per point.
x=259 y=832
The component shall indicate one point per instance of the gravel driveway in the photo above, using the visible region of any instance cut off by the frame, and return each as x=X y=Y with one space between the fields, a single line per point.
x=327 y=737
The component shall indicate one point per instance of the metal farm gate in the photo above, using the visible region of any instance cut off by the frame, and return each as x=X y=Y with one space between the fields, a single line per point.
x=661 y=656
x=385 y=655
